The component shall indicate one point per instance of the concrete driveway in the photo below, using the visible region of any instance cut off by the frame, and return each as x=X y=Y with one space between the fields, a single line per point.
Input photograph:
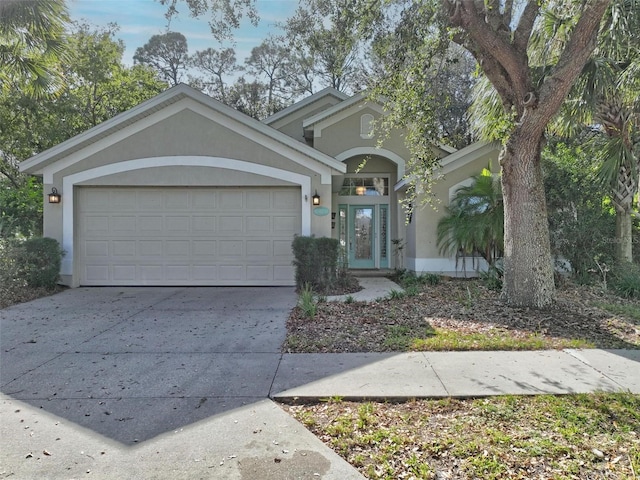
x=136 y=365
x=132 y=363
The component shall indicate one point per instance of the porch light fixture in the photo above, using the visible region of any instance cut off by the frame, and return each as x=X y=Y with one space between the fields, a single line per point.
x=316 y=199
x=54 y=196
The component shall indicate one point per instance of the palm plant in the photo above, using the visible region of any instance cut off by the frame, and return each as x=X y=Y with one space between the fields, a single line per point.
x=474 y=220
x=605 y=99
x=31 y=44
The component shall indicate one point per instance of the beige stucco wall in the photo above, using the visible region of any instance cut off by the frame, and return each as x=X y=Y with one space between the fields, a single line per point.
x=344 y=135
x=291 y=124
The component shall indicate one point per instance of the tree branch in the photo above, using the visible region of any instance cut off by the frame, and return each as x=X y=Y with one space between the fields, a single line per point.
x=525 y=26
x=491 y=44
x=581 y=45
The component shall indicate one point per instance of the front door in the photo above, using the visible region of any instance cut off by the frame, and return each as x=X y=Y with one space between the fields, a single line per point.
x=362 y=236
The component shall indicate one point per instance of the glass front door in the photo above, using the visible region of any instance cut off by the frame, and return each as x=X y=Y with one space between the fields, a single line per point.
x=361 y=236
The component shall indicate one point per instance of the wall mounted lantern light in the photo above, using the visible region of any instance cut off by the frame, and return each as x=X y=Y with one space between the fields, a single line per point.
x=316 y=199
x=54 y=196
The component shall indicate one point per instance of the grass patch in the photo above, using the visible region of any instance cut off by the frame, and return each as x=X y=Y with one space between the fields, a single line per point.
x=560 y=437
x=447 y=340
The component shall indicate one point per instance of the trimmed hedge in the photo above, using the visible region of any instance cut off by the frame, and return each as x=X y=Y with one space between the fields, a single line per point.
x=316 y=262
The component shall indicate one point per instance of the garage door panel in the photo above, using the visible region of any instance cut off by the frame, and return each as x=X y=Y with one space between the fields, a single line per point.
x=261 y=224
x=285 y=200
x=97 y=273
x=176 y=200
x=230 y=199
x=124 y=248
x=230 y=225
x=258 y=248
x=97 y=248
x=150 y=248
x=186 y=236
x=203 y=224
x=258 y=200
x=178 y=248
x=149 y=224
x=124 y=273
x=205 y=249
x=96 y=225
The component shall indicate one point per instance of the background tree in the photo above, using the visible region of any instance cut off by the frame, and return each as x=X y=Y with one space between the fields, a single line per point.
x=324 y=37
x=225 y=15
x=580 y=219
x=168 y=54
x=32 y=44
x=249 y=97
x=606 y=101
x=270 y=61
x=216 y=66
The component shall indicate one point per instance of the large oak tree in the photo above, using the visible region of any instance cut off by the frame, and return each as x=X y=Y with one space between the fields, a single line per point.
x=500 y=43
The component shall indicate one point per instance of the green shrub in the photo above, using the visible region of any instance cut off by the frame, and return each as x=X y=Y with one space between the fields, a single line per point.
x=492 y=278
x=11 y=274
x=39 y=260
x=430 y=278
x=307 y=301
x=625 y=280
x=316 y=262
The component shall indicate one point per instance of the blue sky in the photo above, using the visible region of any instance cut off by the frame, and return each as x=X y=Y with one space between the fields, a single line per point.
x=140 y=19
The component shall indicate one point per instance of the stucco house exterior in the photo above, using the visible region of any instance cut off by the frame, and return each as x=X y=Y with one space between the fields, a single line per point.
x=183 y=190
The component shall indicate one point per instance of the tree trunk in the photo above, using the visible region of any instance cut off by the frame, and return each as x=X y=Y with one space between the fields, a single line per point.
x=528 y=271
x=624 y=240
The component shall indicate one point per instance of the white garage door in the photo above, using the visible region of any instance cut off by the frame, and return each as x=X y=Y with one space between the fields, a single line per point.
x=186 y=236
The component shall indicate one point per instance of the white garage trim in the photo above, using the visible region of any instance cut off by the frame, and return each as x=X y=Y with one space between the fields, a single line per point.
x=381 y=152
x=215 y=162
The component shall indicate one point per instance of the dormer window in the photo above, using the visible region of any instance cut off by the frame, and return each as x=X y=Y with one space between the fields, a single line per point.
x=366 y=126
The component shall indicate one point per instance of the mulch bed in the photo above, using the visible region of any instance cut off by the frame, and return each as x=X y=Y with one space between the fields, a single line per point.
x=465 y=306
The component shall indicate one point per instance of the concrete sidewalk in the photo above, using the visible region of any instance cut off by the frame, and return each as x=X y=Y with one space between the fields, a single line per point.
x=385 y=376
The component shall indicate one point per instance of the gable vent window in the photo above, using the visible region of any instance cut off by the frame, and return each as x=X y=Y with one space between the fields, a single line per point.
x=366 y=126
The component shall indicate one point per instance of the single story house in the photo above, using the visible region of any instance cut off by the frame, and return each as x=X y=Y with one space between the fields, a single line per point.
x=183 y=190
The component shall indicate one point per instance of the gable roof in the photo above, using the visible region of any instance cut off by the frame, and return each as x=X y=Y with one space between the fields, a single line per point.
x=35 y=164
x=339 y=107
x=327 y=92
x=458 y=159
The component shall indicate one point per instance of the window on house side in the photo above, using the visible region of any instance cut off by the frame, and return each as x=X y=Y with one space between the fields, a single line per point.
x=366 y=125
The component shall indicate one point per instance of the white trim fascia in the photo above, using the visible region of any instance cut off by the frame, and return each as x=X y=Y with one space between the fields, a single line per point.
x=456 y=160
x=447 y=148
x=180 y=93
x=447 y=266
x=326 y=92
x=401 y=184
x=465 y=156
x=382 y=152
x=68 y=183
